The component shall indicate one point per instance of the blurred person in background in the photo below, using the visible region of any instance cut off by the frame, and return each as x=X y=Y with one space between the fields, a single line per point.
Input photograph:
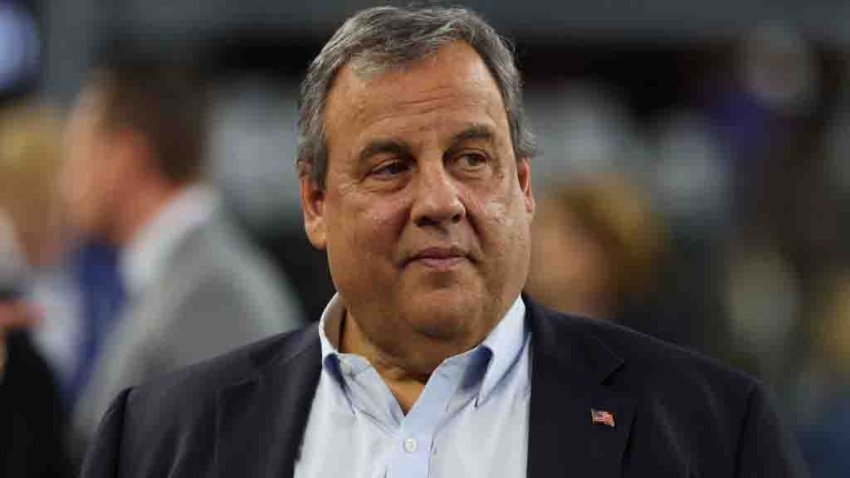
x=32 y=422
x=598 y=248
x=194 y=284
x=30 y=136
x=30 y=143
x=32 y=418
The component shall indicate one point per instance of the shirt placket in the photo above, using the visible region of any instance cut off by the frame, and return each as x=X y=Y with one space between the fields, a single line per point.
x=413 y=443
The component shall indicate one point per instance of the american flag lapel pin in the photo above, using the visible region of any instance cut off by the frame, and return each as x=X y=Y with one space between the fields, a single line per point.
x=602 y=417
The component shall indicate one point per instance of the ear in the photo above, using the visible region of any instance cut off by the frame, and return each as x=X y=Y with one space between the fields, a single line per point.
x=313 y=208
x=523 y=167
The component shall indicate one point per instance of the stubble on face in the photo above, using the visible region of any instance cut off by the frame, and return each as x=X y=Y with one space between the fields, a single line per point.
x=391 y=217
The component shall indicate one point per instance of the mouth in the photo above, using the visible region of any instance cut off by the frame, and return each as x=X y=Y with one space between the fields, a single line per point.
x=438 y=258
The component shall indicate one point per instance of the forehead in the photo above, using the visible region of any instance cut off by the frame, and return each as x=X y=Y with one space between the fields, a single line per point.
x=450 y=88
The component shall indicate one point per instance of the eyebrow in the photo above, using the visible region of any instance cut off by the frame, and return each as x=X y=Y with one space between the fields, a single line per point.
x=475 y=131
x=398 y=148
x=384 y=146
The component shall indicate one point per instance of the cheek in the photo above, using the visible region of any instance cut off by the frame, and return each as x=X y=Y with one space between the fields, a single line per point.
x=91 y=183
x=364 y=232
x=90 y=191
x=75 y=179
x=79 y=169
x=503 y=220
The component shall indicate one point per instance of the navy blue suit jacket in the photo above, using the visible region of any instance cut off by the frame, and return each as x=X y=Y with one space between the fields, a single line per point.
x=676 y=413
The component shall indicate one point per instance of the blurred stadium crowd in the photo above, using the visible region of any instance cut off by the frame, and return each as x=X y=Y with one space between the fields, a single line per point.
x=695 y=188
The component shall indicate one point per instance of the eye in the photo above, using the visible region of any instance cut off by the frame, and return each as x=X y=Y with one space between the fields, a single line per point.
x=390 y=169
x=471 y=160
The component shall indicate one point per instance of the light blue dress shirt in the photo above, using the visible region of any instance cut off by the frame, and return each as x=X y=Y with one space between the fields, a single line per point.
x=471 y=419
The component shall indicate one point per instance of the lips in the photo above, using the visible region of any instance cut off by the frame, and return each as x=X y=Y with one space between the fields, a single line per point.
x=438 y=257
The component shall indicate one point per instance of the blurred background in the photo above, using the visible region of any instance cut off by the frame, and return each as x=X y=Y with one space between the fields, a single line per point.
x=693 y=180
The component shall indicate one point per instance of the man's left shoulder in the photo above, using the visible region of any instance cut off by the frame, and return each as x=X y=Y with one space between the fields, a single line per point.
x=647 y=365
x=695 y=411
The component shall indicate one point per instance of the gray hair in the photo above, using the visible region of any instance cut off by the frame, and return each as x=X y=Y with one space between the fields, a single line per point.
x=383 y=37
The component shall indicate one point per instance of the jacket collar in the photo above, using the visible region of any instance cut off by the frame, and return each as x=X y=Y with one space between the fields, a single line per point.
x=261 y=421
x=571 y=374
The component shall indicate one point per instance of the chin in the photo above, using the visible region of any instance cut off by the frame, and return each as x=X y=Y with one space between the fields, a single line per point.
x=444 y=313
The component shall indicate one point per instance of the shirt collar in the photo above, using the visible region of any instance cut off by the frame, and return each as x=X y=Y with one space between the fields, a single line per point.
x=504 y=344
x=148 y=252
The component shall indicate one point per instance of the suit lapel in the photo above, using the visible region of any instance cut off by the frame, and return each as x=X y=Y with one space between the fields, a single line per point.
x=569 y=370
x=261 y=421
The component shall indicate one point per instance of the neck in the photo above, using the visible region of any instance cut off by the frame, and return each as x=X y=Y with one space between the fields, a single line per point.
x=143 y=207
x=405 y=384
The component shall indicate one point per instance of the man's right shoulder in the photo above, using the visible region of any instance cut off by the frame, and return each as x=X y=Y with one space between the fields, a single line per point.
x=174 y=419
x=192 y=389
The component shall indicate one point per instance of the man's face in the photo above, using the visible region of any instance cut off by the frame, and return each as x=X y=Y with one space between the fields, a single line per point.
x=90 y=179
x=426 y=211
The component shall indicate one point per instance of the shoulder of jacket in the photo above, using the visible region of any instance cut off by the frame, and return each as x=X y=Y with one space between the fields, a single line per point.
x=197 y=384
x=650 y=360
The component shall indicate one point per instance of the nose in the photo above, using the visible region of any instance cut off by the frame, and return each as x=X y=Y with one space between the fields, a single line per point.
x=437 y=202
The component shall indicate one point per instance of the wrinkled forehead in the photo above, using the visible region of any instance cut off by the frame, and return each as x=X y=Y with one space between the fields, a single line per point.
x=453 y=85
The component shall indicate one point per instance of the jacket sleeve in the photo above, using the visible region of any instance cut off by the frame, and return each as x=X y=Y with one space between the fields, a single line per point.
x=766 y=448
x=104 y=454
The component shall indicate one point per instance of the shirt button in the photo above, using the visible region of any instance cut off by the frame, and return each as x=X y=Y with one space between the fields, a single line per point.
x=410 y=445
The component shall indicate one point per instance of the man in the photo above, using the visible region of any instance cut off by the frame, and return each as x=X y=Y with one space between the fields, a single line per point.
x=415 y=179
x=195 y=287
